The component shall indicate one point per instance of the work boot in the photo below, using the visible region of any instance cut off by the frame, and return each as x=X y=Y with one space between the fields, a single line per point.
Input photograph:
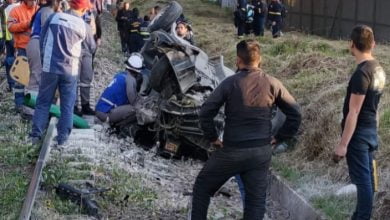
x=86 y=110
x=76 y=111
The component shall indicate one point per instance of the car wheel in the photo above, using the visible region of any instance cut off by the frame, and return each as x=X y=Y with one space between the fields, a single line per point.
x=166 y=17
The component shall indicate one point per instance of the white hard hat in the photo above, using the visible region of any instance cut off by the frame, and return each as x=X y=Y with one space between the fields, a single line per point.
x=135 y=62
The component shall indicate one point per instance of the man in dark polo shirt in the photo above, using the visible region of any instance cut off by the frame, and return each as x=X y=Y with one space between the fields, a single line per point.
x=249 y=97
x=359 y=124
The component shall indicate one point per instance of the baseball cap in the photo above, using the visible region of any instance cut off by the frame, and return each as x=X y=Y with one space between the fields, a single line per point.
x=80 y=4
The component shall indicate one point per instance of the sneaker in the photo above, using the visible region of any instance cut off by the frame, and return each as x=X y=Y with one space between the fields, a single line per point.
x=76 y=111
x=26 y=116
x=86 y=110
x=59 y=145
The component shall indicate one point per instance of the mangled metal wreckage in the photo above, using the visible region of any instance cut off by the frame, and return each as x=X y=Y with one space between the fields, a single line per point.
x=182 y=77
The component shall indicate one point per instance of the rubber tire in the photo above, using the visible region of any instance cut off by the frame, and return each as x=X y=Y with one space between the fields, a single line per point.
x=166 y=17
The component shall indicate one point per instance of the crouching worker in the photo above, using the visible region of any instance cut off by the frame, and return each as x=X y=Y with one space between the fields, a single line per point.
x=249 y=97
x=117 y=103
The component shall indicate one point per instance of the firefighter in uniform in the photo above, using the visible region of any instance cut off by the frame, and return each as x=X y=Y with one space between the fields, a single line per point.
x=144 y=32
x=275 y=10
x=135 y=41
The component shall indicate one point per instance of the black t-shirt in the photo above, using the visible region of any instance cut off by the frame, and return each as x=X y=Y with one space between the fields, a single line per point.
x=369 y=80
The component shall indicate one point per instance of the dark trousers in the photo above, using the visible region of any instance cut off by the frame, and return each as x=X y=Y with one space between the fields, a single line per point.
x=134 y=42
x=359 y=159
x=258 y=25
x=9 y=60
x=241 y=27
x=123 y=36
x=252 y=164
x=119 y=116
x=85 y=78
x=276 y=29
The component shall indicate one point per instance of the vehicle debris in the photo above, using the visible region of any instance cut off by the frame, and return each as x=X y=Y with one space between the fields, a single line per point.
x=82 y=197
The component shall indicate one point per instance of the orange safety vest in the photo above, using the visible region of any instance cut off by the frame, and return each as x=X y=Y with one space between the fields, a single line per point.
x=19 y=24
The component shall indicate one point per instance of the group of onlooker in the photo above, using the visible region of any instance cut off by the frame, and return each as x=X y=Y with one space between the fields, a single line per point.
x=255 y=15
x=59 y=39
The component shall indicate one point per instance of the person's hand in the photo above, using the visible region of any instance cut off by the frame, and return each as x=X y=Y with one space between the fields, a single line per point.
x=273 y=141
x=273 y=23
x=339 y=153
x=217 y=144
x=98 y=42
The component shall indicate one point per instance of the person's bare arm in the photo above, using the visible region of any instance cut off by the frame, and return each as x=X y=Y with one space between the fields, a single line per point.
x=355 y=105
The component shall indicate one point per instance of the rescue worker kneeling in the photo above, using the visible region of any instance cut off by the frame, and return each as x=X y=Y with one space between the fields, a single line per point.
x=116 y=105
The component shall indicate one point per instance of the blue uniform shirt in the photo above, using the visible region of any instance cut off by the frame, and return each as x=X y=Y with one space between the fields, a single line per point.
x=36 y=27
x=117 y=93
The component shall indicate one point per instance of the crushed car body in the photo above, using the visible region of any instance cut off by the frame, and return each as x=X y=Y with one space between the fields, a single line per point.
x=182 y=77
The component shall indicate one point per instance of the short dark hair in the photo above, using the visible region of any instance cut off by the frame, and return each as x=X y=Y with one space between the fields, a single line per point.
x=362 y=37
x=157 y=8
x=249 y=51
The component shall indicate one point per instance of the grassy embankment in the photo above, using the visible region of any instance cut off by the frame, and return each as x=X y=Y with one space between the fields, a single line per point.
x=316 y=71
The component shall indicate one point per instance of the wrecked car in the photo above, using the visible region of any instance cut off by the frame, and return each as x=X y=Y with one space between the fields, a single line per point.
x=182 y=77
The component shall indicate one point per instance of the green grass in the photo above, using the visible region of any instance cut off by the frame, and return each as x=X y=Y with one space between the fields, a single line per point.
x=58 y=171
x=126 y=187
x=63 y=206
x=16 y=154
x=290 y=174
x=288 y=47
x=385 y=120
x=335 y=207
x=13 y=188
x=17 y=159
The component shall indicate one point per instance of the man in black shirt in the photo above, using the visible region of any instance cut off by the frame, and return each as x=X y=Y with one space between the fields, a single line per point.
x=249 y=97
x=359 y=124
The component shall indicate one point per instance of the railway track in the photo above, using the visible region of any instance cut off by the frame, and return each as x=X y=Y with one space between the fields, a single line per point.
x=89 y=150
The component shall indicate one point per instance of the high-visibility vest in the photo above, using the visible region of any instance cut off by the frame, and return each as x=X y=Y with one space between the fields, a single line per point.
x=8 y=35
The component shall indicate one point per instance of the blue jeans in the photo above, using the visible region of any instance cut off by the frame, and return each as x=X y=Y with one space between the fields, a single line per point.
x=359 y=159
x=241 y=187
x=9 y=60
x=19 y=88
x=67 y=85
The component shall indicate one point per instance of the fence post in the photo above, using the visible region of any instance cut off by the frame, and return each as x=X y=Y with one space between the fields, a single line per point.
x=300 y=14
x=356 y=11
x=374 y=17
x=311 y=16
x=325 y=18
